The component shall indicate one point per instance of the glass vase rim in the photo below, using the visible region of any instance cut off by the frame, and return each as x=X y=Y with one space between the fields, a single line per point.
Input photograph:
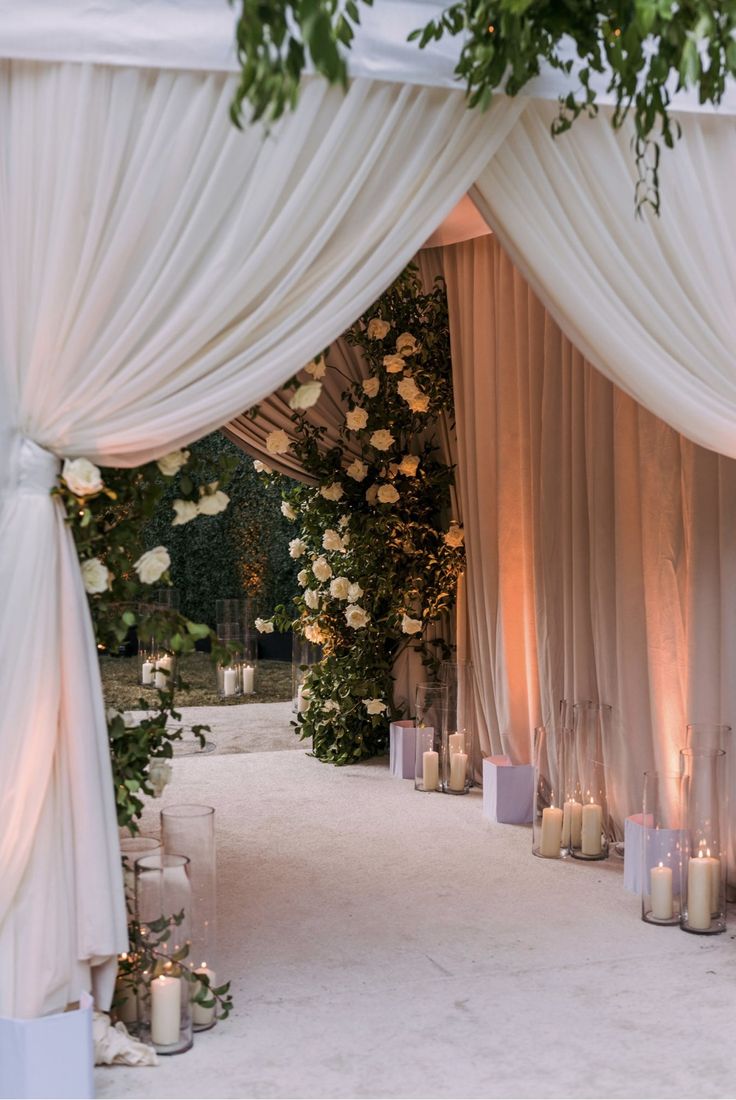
x=589 y=704
x=689 y=751
x=187 y=809
x=654 y=774
x=164 y=861
x=708 y=726
x=139 y=837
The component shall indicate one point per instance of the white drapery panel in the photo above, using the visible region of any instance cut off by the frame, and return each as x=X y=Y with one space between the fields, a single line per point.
x=601 y=543
x=651 y=302
x=159 y=273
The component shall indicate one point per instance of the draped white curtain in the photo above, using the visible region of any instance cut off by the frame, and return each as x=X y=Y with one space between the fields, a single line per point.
x=601 y=543
x=159 y=273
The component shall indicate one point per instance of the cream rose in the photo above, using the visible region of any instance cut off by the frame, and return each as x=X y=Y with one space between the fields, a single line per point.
x=406 y=344
x=159 y=774
x=331 y=540
x=378 y=328
x=419 y=404
x=311 y=598
x=343 y=521
x=381 y=440
x=455 y=535
x=356 y=419
x=277 y=442
x=171 y=463
x=411 y=626
x=394 y=364
x=330 y=705
x=371 y=386
x=387 y=494
x=306 y=395
x=321 y=568
x=317 y=368
x=184 y=512
x=82 y=477
x=152 y=565
x=332 y=492
x=357 y=470
x=264 y=626
x=212 y=500
x=354 y=592
x=313 y=633
x=261 y=467
x=303 y=577
x=371 y=494
x=287 y=511
x=408 y=389
x=297 y=548
x=340 y=588
x=96 y=576
x=409 y=465
x=374 y=706
x=356 y=617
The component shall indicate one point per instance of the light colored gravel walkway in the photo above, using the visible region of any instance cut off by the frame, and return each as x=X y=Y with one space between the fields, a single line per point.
x=259 y=727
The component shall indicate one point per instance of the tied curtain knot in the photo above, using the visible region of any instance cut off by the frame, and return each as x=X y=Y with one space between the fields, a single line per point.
x=37 y=468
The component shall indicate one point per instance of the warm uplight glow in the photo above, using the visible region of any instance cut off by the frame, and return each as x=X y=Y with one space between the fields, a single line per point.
x=617 y=32
x=491 y=28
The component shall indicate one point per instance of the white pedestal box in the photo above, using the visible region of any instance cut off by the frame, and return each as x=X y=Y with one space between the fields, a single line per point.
x=508 y=791
x=52 y=1056
x=402 y=748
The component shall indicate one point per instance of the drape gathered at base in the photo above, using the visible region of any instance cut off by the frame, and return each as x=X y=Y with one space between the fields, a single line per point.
x=159 y=273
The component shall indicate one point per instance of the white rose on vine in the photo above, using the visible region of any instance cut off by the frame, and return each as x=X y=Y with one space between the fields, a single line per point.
x=317 y=368
x=419 y=404
x=306 y=395
x=406 y=344
x=371 y=494
x=387 y=494
x=152 y=565
x=287 y=510
x=212 y=500
x=330 y=705
x=264 y=626
x=332 y=492
x=340 y=588
x=96 y=576
x=171 y=463
x=261 y=467
x=354 y=592
x=303 y=577
x=277 y=442
x=407 y=389
x=331 y=540
x=394 y=364
x=356 y=419
x=185 y=511
x=314 y=633
x=371 y=386
x=409 y=465
x=378 y=328
x=455 y=535
x=159 y=774
x=357 y=470
x=322 y=568
x=374 y=706
x=311 y=598
x=356 y=617
x=82 y=477
x=343 y=521
x=296 y=548
x=411 y=626
x=382 y=440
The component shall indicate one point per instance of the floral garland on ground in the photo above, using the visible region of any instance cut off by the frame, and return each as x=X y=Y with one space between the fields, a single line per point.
x=380 y=559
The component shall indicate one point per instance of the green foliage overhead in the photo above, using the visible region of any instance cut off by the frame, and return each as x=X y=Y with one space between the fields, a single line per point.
x=648 y=50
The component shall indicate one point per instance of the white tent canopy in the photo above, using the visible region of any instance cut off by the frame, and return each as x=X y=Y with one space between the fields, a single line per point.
x=160 y=272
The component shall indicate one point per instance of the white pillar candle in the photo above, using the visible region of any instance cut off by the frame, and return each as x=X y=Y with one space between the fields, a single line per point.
x=230 y=681
x=661 y=892
x=302 y=698
x=572 y=823
x=165 y=1010
x=699 y=891
x=457 y=742
x=549 y=844
x=163 y=672
x=458 y=770
x=430 y=770
x=147 y=672
x=715 y=882
x=591 y=829
x=249 y=675
x=202 y=1016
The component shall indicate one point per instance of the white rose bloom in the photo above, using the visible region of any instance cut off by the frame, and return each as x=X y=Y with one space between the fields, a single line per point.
x=419 y=404
x=306 y=395
x=152 y=565
x=261 y=467
x=82 y=477
x=212 y=503
x=356 y=419
x=371 y=386
x=377 y=328
x=159 y=774
x=387 y=494
x=407 y=389
x=357 y=470
x=411 y=626
x=297 y=548
x=277 y=442
x=394 y=364
x=170 y=464
x=356 y=617
x=371 y=494
x=381 y=440
x=374 y=706
x=330 y=705
x=287 y=510
x=317 y=368
x=185 y=512
x=332 y=492
x=340 y=588
x=264 y=626
x=343 y=521
x=455 y=536
x=303 y=577
x=322 y=569
x=331 y=540
x=311 y=598
x=406 y=344
x=409 y=465
x=354 y=592
x=96 y=576
x=313 y=633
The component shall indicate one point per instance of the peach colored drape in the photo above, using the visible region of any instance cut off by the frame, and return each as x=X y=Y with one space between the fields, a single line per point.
x=601 y=543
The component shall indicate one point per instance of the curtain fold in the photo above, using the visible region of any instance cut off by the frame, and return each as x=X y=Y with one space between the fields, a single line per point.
x=160 y=272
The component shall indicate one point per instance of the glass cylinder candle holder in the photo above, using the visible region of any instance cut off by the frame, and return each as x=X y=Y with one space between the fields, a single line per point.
x=548 y=814
x=229 y=611
x=704 y=818
x=249 y=666
x=661 y=849
x=704 y=735
x=229 y=669
x=163 y=906
x=147 y=653
x=457 y=758
x=431 y=734
x=165 y=667
x=594 y=817
x=569 y=785
x=191 y=828
x=131 y=849
x=457 y=677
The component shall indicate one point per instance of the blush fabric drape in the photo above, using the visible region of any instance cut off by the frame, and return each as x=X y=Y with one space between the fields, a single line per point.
x=160 y=272
x=601 y=543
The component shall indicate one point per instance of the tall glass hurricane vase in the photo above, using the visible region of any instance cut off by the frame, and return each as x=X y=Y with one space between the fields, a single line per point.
x=661 y=848
x=431 y=734
x=704 y=816
x=461 y=752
